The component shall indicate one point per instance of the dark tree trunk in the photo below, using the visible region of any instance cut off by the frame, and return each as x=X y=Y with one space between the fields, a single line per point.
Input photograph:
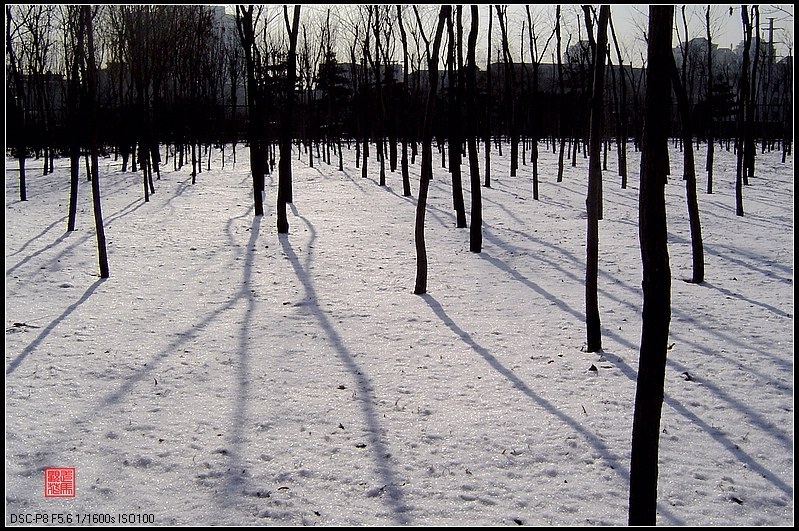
x=284 y=193
x=689 y=175
x=476 y=229
x=593 y=324
x=455 y=139
x=561 y=92
x=246 y=29
x=656 y=273
x=91 y=80
x=621 y=140
x=744 y=131
x=406 y=179
x=509 y=86
x=711 y=147
x=427 y=149
x=489 y=100
x=749 y=146
x=73 y=97
x=17 y=112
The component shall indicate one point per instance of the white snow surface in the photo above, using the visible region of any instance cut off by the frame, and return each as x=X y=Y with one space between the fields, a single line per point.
x=224 y=374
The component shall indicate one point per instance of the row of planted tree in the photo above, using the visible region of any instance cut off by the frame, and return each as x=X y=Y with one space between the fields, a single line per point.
x=194 y=75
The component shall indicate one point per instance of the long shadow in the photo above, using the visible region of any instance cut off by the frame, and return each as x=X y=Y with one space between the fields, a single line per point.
x=49 y=328
x=182 y=338
x=753 y=416
x=84 y=236
x=34 y=254
x=126 y=211
x=677 y=312
x=729 y=255
x=613 y=460
x=234 y=481
x=738 y=296
x=45 y=231
x=378 y=447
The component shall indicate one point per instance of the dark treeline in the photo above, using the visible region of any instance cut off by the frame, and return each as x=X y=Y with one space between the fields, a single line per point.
x=178 y=76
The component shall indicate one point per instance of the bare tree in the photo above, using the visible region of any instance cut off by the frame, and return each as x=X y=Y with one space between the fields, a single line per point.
x=621 y=131
x=656 y=272
x=91 y=103
x=17 y=108
x=593 y=201
x=455 y=118
x=246 y=22
x=744 y=101
x=427 y=144
x=74 y=55
x=488 y=106
x=561 y=92
x=284 y=188
x=536 y=56
x=689 y=167
x=405 y=129
x=476 y=229
x=502 y=16
x=710 y=106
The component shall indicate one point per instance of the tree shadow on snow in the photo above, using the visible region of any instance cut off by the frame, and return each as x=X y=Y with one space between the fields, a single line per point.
x=394 y=496
x=753 y=416
x=614 y=461
x=49 y=328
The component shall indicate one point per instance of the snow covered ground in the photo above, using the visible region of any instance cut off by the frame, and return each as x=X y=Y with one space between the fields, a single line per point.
x=226 y=375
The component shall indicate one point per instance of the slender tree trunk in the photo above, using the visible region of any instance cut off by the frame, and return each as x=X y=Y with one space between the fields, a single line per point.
x=17 y=113
x=246 y=29
x=711 y=123
x=489 y=100
x=593 y=325
x=750 y=148
x=561 y=93
x=476 y=229
x=455 y=128
x=427 y=150
x=91 y=80
x=284 y=193
x=743 y=125
x=509 y=86
x=689 y=175
x=656 y=272
x=621 y=141
x=406 y=179
x=73 y=97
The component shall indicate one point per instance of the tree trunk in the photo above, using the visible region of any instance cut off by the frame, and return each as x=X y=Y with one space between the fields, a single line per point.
x=489 y=100
x=744 y=131
x=689 y=174
x=455 y=128
x=710 y=107
x=593 y=325
x=73 y=97
x=562 y=94
x=406 y=179
x=284 y=193
x=246 y=29
x=509 y=86
x=621 y=141
x=656 y=273
x=476 y=229
x=91 y=80
x=427 y=150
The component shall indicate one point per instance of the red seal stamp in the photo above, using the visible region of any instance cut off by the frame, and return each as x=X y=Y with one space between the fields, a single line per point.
x=59 y=482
